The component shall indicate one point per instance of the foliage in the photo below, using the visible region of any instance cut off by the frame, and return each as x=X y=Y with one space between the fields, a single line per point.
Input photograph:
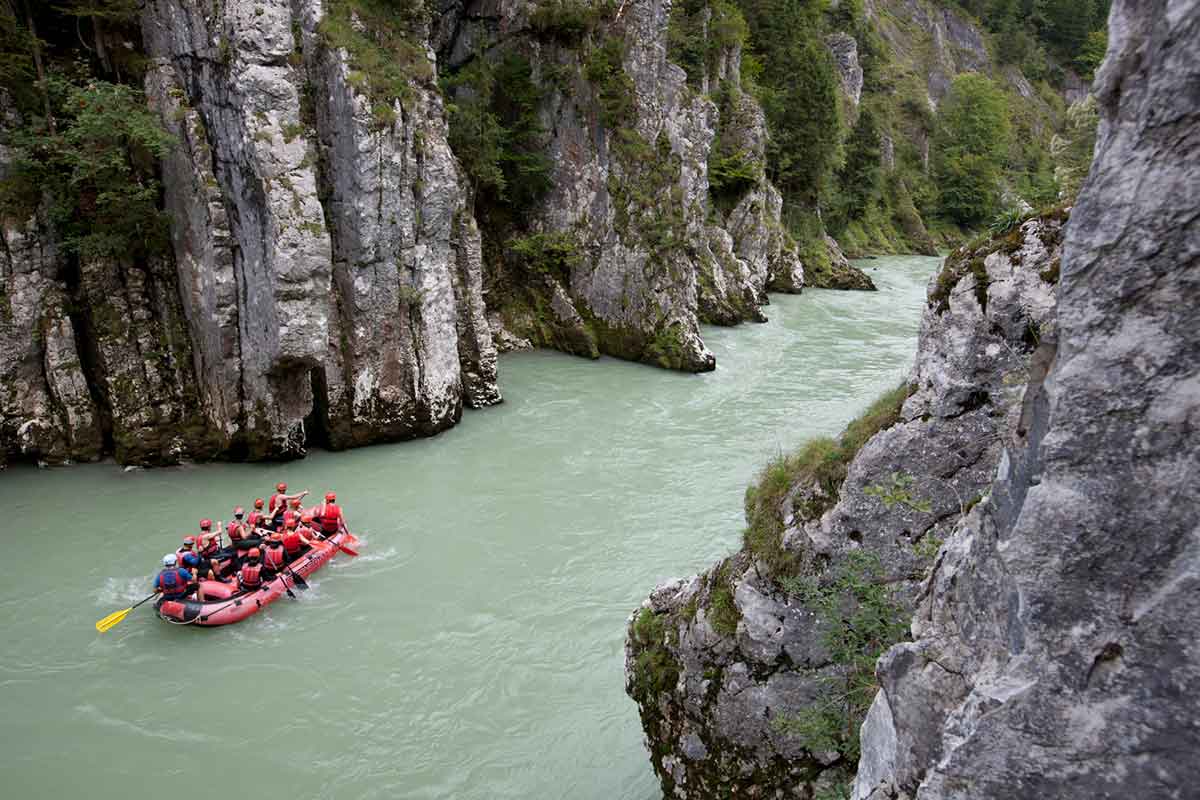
x=1074 y=148
x=731 y=173
x=654 y=669
x=860 y=620
x=699 y=31
x=97 y=168
x=898 y=491
x=381 y=39
x=495 y=131
x=567 y=21
x=605 y=69
x=722 y=611
x=823 y=462
x=554 y=254
x=1006 y=220
x=1029 y=30
x=1091 y=55
x=860 y=177
x=971 y=142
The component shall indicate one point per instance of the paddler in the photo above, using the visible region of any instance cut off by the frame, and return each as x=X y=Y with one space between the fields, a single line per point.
x=255 y=520
x=292 y=516
x=173 y=582
x=250 y=576
x=273 y=556
x=188 y=547
x=281 y=498
x=294 y=541
x=328 y=516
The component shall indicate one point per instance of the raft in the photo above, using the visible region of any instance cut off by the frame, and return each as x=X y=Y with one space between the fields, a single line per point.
x=224 y=605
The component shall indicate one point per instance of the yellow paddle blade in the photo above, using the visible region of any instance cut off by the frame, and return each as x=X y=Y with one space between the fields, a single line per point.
x=112 y=619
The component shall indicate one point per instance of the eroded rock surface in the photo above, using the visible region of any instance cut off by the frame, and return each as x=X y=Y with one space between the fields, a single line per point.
x=742 y=646
x=1054 y=645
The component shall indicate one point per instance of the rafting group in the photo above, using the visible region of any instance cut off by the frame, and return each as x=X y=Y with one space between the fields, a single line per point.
x=261 y=545
x=210 y=582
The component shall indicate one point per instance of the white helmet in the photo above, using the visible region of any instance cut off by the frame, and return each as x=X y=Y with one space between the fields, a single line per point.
x=169 y=560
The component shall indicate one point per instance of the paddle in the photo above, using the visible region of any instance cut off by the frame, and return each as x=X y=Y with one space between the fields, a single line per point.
x=112 y=619
x=350 y=551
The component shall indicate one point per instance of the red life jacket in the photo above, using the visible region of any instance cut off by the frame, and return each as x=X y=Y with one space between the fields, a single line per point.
x=290 y=515
x=250 y=577
x=172 y=582
x=330 y=517
x=235 y=530
x=180 y=553
x=254 y=520
x=211 y=548
x=273 y=558
x=274 y=498
x=291 y=542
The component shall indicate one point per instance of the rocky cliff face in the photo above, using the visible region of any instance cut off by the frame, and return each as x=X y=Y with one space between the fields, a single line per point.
x=742 y=652
x=630 y=142
x=1047 y=438
x=326 y=278
x=1053 y=644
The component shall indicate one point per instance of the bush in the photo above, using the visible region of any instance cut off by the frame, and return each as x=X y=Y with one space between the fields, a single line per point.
x=971 y=143
x=97 y=168
x=654 y=668
x=859 y=620
x=567 y=21
x=554 y=254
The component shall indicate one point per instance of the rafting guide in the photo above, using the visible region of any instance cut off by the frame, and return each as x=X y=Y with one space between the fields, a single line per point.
x=207 y=583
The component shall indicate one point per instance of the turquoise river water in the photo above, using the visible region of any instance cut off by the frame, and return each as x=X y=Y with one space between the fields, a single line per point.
x=474 y=649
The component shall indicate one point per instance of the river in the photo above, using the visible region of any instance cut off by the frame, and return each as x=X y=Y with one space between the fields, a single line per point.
x=474 y=649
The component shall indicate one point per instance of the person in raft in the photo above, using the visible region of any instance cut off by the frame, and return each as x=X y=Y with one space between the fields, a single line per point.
x=250 y=577
x=328 y=516
x=172 y=582
x=189 y=544
x=282 y=498
x=274 y=557
x=223 y=566
x=294 y=541
x=255 y=520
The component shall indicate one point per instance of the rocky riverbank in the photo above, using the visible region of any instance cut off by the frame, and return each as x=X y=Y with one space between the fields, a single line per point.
x=1025 y=500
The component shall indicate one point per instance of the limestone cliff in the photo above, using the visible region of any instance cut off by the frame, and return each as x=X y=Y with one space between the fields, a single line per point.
x=1053 y=644
x=741 y=652
x=326 y=275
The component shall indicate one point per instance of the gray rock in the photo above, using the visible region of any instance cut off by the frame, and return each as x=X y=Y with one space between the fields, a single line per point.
x=973 y=359
x=1051 y=650
x=845 y=56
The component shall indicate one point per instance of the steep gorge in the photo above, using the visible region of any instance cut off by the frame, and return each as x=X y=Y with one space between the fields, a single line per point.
x=1015 y=523
x=334 y=266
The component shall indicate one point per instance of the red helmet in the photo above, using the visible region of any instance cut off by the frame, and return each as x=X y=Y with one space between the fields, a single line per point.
x=188 y=541
x=291 y=523
x=330 y=497
x=237 y=512
x=281 y=487
x=295 y=502
x=253 y=553
x=205 y=524
x=258 y=503
x=306 y=517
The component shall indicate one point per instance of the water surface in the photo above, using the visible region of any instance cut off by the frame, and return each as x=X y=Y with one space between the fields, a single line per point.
x=474 y=650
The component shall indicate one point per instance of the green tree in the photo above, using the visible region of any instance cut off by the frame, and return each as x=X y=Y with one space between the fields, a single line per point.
x=970 y=144
x=98 y=170
x=861 y=176
x=1074 y=147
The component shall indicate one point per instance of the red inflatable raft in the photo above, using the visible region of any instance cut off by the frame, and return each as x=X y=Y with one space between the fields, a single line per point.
x=223 y=605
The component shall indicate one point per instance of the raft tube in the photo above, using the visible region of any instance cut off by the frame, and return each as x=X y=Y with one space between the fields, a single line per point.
x=223 y=605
